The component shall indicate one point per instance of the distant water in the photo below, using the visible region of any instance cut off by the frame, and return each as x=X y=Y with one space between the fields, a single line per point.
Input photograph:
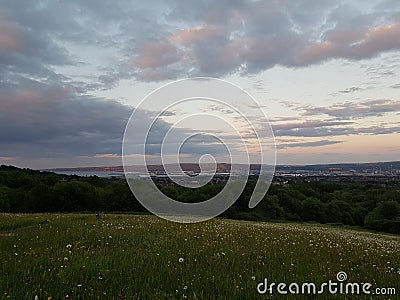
x=88 y=173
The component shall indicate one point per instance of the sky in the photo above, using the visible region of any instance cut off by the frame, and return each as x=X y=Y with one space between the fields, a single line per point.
x=326 y=73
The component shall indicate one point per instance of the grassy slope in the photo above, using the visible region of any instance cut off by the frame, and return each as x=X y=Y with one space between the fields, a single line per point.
x=144 y=257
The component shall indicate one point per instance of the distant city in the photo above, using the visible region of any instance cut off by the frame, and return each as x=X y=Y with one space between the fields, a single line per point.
x=363 y=172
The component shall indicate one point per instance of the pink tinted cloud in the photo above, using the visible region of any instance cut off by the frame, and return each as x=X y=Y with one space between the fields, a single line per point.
x=308 y=124
x=381 y=38
x=29 y=104
x=194 y=35
x=10 y=35
x=154 y=54
x=250 y=43
x=352 y=45
x=317 y=51
x=6 y=158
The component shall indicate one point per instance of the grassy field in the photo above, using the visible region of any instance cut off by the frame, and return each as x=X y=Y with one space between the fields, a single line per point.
x=75 y=256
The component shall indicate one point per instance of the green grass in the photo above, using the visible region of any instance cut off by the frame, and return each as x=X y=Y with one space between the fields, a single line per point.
x=143 y=257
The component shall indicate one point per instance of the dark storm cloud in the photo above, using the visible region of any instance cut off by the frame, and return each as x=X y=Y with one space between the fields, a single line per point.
x=41 y=120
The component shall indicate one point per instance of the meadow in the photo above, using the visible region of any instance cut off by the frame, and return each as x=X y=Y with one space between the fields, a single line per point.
x=76 y=256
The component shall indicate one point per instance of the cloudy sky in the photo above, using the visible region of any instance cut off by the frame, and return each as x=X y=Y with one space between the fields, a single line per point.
x=327 y=73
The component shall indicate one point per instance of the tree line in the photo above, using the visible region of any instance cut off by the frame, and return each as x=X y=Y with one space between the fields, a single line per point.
x=371 y=206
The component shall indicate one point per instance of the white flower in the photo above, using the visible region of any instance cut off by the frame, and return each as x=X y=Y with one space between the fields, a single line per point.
x=65 y=258
x=181 y=259
x=69 y=246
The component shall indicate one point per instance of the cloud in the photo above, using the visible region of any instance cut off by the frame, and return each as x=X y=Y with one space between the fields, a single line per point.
x=10 y=35
x=55 y=56
x=286 y=118
x=351 y=110
x=47 y=121
x=6 y=159
x=23 y=51
x=340 y=124
x=350 y=90
x=312 y=129
x=308 y=144
x=252 y=36
x=307 y=124
x=396 y=86
x=156 y=54
x=336 y=131
x=167 y=39
x=353 y=46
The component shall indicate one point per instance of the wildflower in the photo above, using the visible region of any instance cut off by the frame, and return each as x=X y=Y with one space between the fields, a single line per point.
x=65 y=258
x=36 y=297
x=69 y=246
x=79 y=285
x=181 y=260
